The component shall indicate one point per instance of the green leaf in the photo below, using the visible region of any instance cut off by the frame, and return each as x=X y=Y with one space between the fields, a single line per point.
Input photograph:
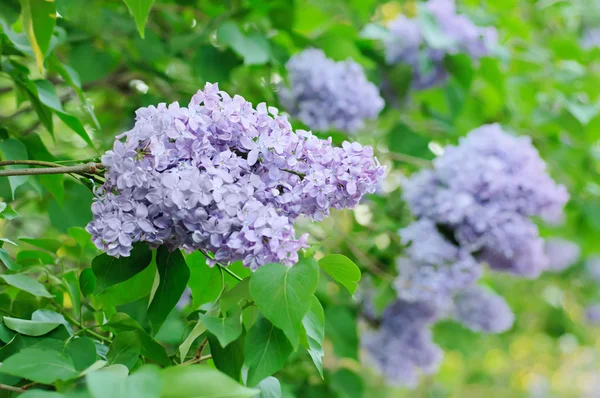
x=225 y=329
x=347 y=384
x=7 y=212
x=314 y=326
x=254 y=48
x=184 y=348
x=112 y=381
x=197 y=381
x=238 y=296
x=38 y=18
x=139 y=10
x=72 y=282
x=41 y=394
x=30 y=328
x=44 y=315
x=87 y=282
x=48 y=97
x=230 y=359
x=110 y=270
x=284 y=294
x=583 y=112
x=14 y=150
x=27 y=284
x=342 y=269
x=174 y=275
x=82 y=351
x=205 y=282
x=8 y=262
x=125 y=349
x=265 y=350
x=461 y=67
x=269 y=388
x=151 y=349
x=40 y=366
x=340 y=328
x=52 y=245
x=132 y=289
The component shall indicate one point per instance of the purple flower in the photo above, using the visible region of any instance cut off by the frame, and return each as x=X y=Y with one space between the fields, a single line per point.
x=222 y=177
x=482 y=311
x=325 y=94
x=561 y=253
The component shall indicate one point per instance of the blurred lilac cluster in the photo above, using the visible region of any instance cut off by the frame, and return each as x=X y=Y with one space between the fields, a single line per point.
x=484 y=192
x=482 y=310
x=325 y=94
x=220 y=176
x=561 y=253
x=403 y=347
x=473 y=207
x=414 y=44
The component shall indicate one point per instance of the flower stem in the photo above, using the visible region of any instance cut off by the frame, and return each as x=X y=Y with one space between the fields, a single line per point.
x=88 y=168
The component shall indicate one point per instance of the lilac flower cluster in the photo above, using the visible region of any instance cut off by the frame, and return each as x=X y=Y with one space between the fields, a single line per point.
x=592 y=314
x=561 y=253
x=434 y=268
x=222 y=177
x=325 y=94
x=482 y=311
x=473 y=207
x=411 y=44
x=403 y=347
x=484 y=191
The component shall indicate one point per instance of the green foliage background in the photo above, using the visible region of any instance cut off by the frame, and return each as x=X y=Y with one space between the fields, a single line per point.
x=96 y=69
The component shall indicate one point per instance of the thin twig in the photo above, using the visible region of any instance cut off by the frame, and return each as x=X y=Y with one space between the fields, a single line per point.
x=28 y=162
x=223 y=267
x=12 y=388
x=402 y=157
x=79 y=324
x=301 y=175
x=88 y=168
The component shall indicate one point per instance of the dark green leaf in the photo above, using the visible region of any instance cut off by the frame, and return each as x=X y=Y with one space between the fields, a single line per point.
x=82 y=352
x=125 y=349
x=174 y=275
x=230 y=359
x=340 y=328
x=342 y=269
x=87 y=282
x=111 y=270
x=284 y=294
x=197 y=381
x=14 y=150
x=265 y=350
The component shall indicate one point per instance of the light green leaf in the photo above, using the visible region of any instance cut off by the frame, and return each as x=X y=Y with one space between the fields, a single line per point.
x=112 y=381
x=7 y=212
x=38 y=18
x=314 y=326
x=41 y=366
x=284 y=294
x=174 y=275
x=30 y=328
x=197 y=381
x=41 y=394
x=342 y=269
x=72 y=283
x=8 y=262
x=583 y=112
x=269 y=388
x=139 y=10
x=265 y=350
x=184 y=348
x=43 y=315
x=205 y=282
x=26 y=283
x=125 y=349
x=225 y=329
x=52 y=245
x=254 y=48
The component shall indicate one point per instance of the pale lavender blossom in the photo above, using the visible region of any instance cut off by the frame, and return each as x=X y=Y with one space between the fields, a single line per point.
x=482 y=311
x=590 y=38
x=592 y=268
x=402 y=348
x=410 y=42
x=222 y=177
x=484 y=192
x=561 y=253
x=592 y=314
x=325 y=94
